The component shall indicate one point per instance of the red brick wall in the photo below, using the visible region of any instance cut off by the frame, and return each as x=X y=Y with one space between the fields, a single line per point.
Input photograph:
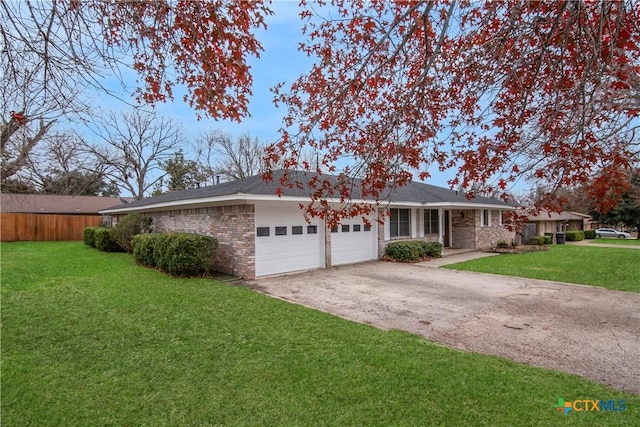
x=233 y=226
x=463 y=228
x=488 y=237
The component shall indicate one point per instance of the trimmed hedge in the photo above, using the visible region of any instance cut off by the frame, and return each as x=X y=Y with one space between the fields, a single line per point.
x=502 y=244
x=178 y=254
x=144 y=247
x=161 y=245
x=89 y=236
x=129 y=226
x=589 y=234
x=103 y=239
x=432 y=249
x=187 y=254
x=540 y=240
x=574 y=235
x=413 y=250
x=405 y=251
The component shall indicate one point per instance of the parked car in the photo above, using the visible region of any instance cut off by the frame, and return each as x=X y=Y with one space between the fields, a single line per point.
x=610 y=232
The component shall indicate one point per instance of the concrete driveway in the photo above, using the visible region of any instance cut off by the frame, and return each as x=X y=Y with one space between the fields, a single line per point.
x=584 y=330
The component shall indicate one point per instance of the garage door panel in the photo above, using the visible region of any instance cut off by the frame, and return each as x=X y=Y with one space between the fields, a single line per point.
x=288 y=252
x=350 y=246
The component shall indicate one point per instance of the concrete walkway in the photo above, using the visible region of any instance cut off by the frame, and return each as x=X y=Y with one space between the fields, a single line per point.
x=585 y=330
x=455 y=258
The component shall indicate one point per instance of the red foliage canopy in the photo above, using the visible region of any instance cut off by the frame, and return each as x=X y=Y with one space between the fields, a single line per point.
x=545 y=91
x=205 y=43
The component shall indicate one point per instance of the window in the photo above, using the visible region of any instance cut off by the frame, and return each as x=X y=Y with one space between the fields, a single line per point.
x=502 y=217
x=262 y=231
x=485 y=218
x=312 y=229
x=345 y=228
x=334 y=229
x=431 y=221
x=281 y=231
x=400 y=223
x=296 y=229
x=356 y=227
x=367 y=227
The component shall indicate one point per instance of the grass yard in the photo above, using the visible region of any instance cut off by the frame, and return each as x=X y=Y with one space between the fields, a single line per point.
x=610 y=268
x=624 y=242
x=89 y=338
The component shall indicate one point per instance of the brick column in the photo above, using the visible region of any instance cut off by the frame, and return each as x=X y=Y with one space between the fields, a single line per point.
x=327 y=246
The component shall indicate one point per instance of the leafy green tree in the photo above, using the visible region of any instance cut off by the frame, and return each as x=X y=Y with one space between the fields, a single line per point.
x=18 y=186
x=78 y=183
x=628 y=210
x=182 y=173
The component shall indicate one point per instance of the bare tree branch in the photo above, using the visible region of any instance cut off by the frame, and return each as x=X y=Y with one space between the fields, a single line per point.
x=134 y=145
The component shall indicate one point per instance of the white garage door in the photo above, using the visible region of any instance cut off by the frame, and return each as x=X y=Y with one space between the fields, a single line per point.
x=353 y=241
x=285 y=242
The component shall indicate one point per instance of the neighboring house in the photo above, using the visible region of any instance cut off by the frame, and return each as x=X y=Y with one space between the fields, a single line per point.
x=261 y=234
x=50 y=217
x=56 y=204
x=553 y=222
x=592 y=224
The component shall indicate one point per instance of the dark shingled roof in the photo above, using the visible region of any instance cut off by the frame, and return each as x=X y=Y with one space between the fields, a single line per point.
x=56 y=204
x=415 y=192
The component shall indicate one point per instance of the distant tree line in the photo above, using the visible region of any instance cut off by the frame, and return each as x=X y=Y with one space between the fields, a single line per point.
x=136 y=152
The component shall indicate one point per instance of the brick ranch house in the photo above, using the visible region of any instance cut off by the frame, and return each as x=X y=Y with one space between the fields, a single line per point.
x=261 y=234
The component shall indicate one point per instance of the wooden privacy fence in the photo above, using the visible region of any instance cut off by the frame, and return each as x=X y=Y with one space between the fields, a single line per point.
x=24 y=226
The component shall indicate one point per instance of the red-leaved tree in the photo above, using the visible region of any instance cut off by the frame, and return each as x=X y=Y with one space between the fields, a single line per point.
x=54 y=50
x=201 y=44
x=543 y=91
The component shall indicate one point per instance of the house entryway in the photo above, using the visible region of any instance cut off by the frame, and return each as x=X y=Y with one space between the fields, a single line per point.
x=447 y=229
x=529 y=231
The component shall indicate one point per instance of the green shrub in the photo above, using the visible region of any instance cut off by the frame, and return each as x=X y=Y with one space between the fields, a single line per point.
x=405 y=250
x=574 y=235
x=104 y=240
x=502 y=244
x=144 y=247
x=589 y=234
x=539 y=240
x=162 y=241
x=413 y=250
x=432 y=249
x=89 y=236
x=185 y=254
x=547 y=240
x=130 y=225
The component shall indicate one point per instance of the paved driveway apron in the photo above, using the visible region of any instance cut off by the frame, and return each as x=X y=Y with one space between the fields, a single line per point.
x=589 y=331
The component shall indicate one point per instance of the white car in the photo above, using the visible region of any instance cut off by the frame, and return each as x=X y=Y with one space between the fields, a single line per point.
x=610 y=232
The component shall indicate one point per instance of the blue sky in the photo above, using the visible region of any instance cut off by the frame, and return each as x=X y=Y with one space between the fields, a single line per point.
x=279 y=62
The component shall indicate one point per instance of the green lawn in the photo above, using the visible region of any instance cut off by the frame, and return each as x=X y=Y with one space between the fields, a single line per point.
x=611 y=268
x=632 y=242
x=89 y=338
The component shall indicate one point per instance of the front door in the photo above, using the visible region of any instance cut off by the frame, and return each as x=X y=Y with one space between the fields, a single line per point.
x=447 y=230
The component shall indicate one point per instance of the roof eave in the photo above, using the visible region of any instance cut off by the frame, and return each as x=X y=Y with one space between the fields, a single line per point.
x=243 y=198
